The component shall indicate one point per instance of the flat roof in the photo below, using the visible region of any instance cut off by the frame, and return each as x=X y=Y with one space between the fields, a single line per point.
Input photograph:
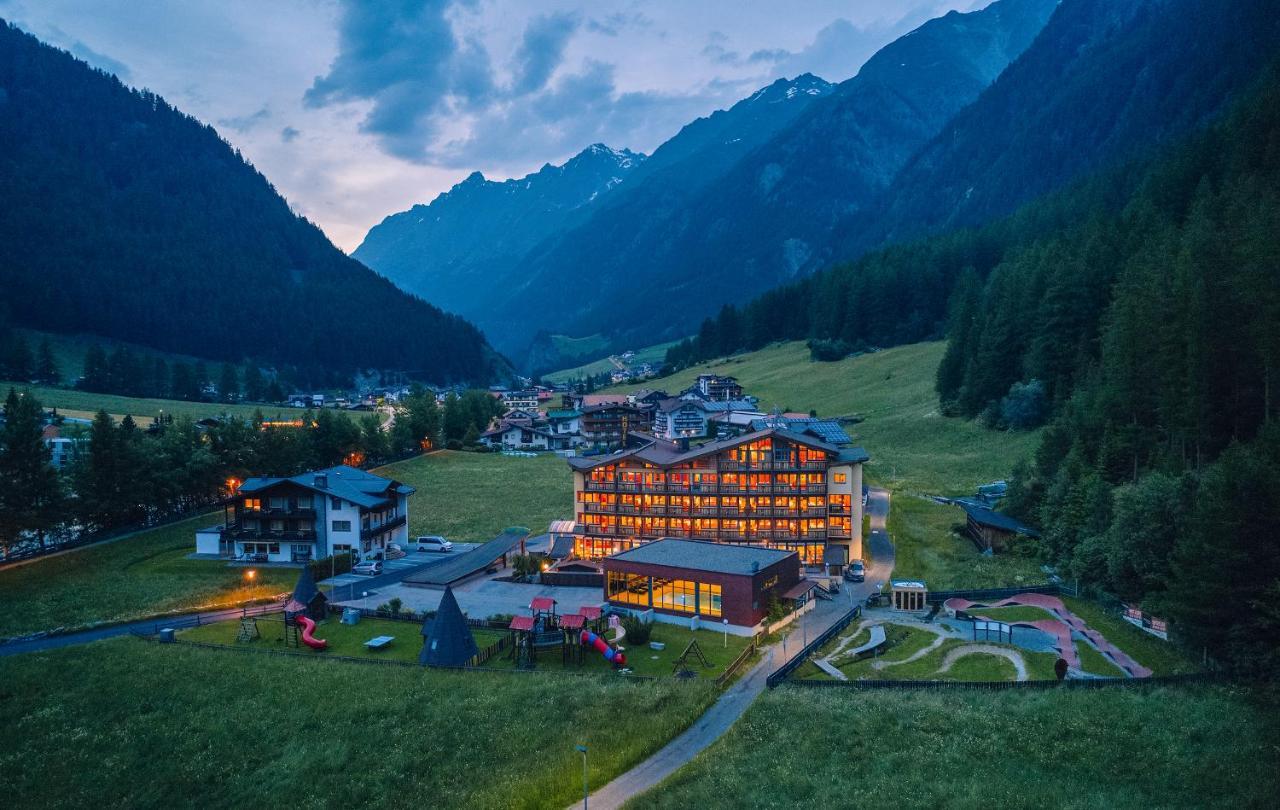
x=701 y=555
x=466 y=564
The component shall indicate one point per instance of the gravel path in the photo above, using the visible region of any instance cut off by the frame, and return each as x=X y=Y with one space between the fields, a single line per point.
x=1011 y=656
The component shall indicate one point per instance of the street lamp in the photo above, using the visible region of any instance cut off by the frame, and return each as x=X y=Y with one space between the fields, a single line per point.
x=726 y=633
x=585 y=792
x=249 y=576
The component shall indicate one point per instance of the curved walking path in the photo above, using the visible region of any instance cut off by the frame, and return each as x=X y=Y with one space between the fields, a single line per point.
x=737 y=698
x=1019 y=663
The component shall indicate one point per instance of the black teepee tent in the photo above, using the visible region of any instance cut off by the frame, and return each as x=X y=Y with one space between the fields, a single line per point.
x=307 y=598
x=447 y=640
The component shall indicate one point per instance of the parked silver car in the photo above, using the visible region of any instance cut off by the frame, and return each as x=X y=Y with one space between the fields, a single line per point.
x=432 y=542
x=369 y=568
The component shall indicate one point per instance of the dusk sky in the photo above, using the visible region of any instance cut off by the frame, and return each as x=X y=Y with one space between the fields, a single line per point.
x=357 y=110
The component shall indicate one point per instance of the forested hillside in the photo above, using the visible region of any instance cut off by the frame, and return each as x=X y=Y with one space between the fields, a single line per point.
x=1153 y=340
x=469 y=241
x=1102 y=81
x=139 y=223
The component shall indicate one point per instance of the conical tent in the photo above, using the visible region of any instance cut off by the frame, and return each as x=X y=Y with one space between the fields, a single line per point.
x=306 y=597
x=448 y=641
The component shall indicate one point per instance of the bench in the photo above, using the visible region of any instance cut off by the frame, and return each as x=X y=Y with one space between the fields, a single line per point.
x=379 y=642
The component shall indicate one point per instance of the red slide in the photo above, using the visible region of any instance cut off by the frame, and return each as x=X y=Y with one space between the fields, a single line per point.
x=308 y=624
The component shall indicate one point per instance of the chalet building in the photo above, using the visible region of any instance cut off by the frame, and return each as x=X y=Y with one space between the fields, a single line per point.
x=993 y=531
x=716 y=388
x=718 y=582
x=564 y=421
x=675 y=419
x=609 y=424
x=526 y=399
x=310 y=516
x=527 y=437
x=772 y=487
x=648 y=396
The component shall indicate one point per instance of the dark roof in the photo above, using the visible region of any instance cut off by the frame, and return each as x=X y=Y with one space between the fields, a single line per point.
x=835 y=555
x=448 y=642
x=996 y=520
x=853 y=455
x=360 y=487
x=665 y=454
x=700 y=555
x=562 y=546
x=829 y=430
x=466 y=564
x=669 y=405
x=799 y=589
x=304 y=592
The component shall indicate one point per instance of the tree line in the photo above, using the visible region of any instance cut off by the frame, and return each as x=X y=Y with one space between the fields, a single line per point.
x=1149 y=340
x=124 y=475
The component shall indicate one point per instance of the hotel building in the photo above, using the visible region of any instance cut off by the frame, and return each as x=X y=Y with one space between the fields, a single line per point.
x=776 y=488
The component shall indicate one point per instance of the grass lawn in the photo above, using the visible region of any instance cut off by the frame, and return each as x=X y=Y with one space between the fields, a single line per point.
x=138 y=576
x=474 y=496
x=1161 y=657
x=344 y=639
x=980 y=667
x=925 y=547
x=466 y=496
x=125 y=723
x=646 y=661
x=1113 y=748
x=1013 y=613
x=84 y=404
x=912 y=445
x=1096 y=663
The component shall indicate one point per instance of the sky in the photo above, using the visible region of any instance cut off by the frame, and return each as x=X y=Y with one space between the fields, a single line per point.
x=355 y=110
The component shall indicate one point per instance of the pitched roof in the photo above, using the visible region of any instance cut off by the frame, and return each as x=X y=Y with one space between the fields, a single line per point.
x=829 y=430
x=357 y=486
x=666 y=454
x=700 y=555
x=997 y=520
x=675 y=404
x=604 y=399
x=449 y=642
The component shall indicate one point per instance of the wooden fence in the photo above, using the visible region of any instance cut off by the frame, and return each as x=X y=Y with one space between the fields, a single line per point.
x=737 y=663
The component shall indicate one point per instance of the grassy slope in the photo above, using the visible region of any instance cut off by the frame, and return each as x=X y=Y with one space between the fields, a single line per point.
x=126 y=723
x=71 y=402
x=926 y=548
x=467 y=496
x=474 y=496
x=69 y=351
x=911 y=444
x=138 y=576
x=1115 y=748
x=649 y=354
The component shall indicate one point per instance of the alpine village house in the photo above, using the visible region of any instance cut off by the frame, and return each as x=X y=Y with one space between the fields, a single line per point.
x=310 y=516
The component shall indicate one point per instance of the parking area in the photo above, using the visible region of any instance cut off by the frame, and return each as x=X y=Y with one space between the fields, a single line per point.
x=348 y=586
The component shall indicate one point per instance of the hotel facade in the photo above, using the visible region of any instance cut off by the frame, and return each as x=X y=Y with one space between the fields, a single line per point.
x=776 y=488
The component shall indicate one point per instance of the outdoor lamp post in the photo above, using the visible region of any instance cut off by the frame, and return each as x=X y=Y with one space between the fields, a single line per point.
x=585 y=792
x=726 y=633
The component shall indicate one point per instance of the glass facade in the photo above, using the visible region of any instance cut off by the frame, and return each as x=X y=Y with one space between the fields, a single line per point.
x=676 y=595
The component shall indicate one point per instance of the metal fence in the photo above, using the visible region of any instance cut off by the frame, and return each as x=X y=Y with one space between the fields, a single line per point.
x=1049 y=588
x=1080 y=683
x=783 y=672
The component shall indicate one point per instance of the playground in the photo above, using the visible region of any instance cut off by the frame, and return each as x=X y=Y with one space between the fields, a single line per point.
x=581 y=639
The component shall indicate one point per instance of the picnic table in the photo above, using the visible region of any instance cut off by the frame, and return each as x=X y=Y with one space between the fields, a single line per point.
x=379 y=642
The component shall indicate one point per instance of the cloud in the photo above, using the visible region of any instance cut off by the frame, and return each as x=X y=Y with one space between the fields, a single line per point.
x=289 y=134
x=404 y=58
x=244 y=123
x=840 y=48
x=542 y=50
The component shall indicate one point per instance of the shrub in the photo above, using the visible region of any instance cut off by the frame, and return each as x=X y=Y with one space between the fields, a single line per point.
x=395 y=604
x=453 y=444
x=827 y=351
x=1024 y=407
x=638 y=630
x=326 y=567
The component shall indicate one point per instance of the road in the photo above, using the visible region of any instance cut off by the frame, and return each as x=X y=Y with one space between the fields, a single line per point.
x=144 y=625
x=730 y=706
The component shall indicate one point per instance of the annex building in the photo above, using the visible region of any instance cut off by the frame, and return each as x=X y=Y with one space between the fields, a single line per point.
x=776 y=488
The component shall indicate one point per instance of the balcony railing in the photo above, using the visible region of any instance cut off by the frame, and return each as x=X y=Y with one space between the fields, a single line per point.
x=838 y=531
x=240 y=533
x=599 y=486
x=628 y=509
x=837 y=509
x=599 y=508
x=374 y=531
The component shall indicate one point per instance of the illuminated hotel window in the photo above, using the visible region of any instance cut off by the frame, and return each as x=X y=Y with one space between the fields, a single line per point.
x=709 y=600
x=839 y=478
x=632 y=589
x=674 y=594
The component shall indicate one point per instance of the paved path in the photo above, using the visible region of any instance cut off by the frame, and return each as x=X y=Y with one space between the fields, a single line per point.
x=735 y=700
x=1011 y=656
x=142 y=626
x=349 y=586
